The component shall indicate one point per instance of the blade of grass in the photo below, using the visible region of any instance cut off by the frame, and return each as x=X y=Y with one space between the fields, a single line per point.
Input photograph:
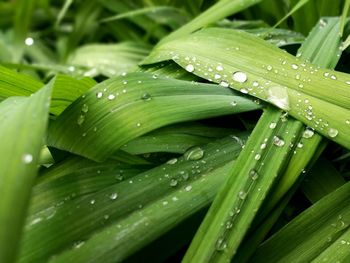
x=312 y=232
x=22 y=127
x=218 y=11
x=87 y=213
x=233 y=210
x=317 y=97
x=120 y=109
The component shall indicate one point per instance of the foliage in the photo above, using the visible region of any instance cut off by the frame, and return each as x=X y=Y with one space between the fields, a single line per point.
x=163 y=130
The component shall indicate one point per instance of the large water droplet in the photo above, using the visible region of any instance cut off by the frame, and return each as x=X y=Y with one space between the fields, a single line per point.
x=111 y=97
x=242 y=195
x=113 y=196
x=224 y=84
x=99 y=95
x=278 y=141
x=190 y=68
x=253 y=174
x=220 y=244
x=193 y=154
x=273 y=125
x=308 y=133
x=332 y=132
x=173 y=182
x=278 y=96
x=239 y=76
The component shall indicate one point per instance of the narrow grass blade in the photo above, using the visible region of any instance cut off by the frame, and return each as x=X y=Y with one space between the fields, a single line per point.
x=317 y=97
x=312 y=232
x=110 y=205
x=233 y=210
x=120 y=109
x=22 y=127
x=218 y=11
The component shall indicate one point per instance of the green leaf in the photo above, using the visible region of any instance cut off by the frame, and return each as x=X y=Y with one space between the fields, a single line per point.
x=228 y=219
x=123 y=108
x=317 y=97
x=312 y=232
x=121 y=199
x=22 y=128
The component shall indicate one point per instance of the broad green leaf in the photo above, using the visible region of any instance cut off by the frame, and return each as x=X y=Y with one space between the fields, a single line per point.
x=228 y=219
x=108 y=59
x=22 y=129
x=317 y=97
x=312 y=232
x=110 y=205
x=123 y=108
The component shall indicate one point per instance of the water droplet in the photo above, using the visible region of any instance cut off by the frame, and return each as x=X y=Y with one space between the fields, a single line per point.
x=220 y=244
x=172 y=161
x=173 y=182
x=308 y=133
x=92 y=201
x=253 y=174
x=193 y=154
x=294 y=66
x=146 y=97
x=190 y=68
x=113 y=196
x=332 y=132
x=263 y=146
x=255 y=84
x=278 y=96
x=99 y=95
x=239 y=76
x=224 y=84
x=278 y=141
x=233 y=103
x=269 y=67
x=242 y=195
x=219 y=68
x=188 y=188
x=111 y=97
x=85 y=108
x=347 y=122
x=138 y=124
x=27 y=158
x=272 y=125
x=257 y=156
x=245 y=91
x=80 y=119
x=29 y=41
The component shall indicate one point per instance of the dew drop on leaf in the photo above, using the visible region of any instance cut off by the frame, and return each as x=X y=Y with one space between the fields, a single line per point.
x=239 y=76
x=190 y=68
x=113 y=196
x=332 y=132
x=193 y=154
